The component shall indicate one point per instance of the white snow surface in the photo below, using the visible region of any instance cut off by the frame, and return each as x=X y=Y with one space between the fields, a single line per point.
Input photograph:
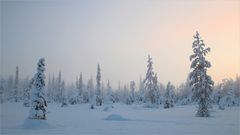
x=119 y=120
x=35 y=124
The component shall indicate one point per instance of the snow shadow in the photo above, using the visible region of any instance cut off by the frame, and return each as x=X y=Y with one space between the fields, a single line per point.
x=35 y=124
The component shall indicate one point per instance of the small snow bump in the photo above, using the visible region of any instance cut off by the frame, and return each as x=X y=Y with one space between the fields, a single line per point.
x=116 y=117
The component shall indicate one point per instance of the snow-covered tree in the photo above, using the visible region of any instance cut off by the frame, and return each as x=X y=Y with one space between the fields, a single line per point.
x=109 y=96
x=26 y=93
x=226 y=94
x=63 y=95
x=98 y=87
x=90 y=89
x=124 y=95
x=16 y=85
x=199 y=80
x=39 y=104
x=102 y=90
x=77 y=82
x=62 y=91
x=57 y=88
x=184 y=94
x=169 y=96
x=53 y=88
x=80 y=85
x=141 y=91
x=9 y=88
x=115 y=95
x=117 y=92
x=132 y=96
x=2 y=92
x=83 y=92
x=108 y=91
x=237 y=86
x=157 y=89
x=150 y=83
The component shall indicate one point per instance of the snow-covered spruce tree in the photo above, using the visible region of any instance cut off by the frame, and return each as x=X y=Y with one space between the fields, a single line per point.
x=102 y=90
x=53 y=88
x=200 y=82
x=169 y=96
x=141 y=91
x=237 y=86
x=77 y=83
x=107 y=96
x=80 y=89
x=58 y=87
x=156 y=89
x=132 y=96
x=9 y=88
x=109 y=93
x=39 y=104
x=63 y=95
x=2 y=91
x=150 y=94
x=80 y=83
x=117 y=92
x=83 y=91
x=124 y=96
x=62 y=91
x=98 y=87
x=16 y=85
x=90 y=88
x=226 y=94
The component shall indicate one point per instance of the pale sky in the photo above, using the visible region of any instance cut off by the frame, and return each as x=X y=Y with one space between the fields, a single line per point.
x=74 y=36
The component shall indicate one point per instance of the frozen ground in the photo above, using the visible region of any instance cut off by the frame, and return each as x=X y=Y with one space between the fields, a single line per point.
x=119 y=120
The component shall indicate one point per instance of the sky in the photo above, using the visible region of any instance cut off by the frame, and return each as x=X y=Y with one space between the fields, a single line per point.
x=74 y=36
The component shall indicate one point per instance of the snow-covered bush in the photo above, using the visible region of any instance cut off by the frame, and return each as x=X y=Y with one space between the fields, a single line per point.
x=169 y=96
x=226 y=93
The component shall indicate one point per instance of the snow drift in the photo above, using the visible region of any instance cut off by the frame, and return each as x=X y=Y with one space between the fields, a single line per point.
x=116 y=117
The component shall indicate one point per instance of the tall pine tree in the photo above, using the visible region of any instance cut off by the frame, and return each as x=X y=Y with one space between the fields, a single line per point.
x=200 y=82
x=80 y=88
x=132 y=92
x=141 y=91
x=58 y=88
x=98 y=87
x=150 y=83
x=16 y=87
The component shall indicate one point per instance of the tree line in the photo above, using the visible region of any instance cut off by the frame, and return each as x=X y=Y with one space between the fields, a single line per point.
x=198 y=89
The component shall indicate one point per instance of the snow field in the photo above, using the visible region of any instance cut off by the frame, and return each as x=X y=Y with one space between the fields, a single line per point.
x=120 y=119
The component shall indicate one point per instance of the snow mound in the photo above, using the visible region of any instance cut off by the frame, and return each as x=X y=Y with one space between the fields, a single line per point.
x=36 y=124
x=116 y=117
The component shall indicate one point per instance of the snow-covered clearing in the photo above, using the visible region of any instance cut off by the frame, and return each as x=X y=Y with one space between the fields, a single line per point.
x=119 y=119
